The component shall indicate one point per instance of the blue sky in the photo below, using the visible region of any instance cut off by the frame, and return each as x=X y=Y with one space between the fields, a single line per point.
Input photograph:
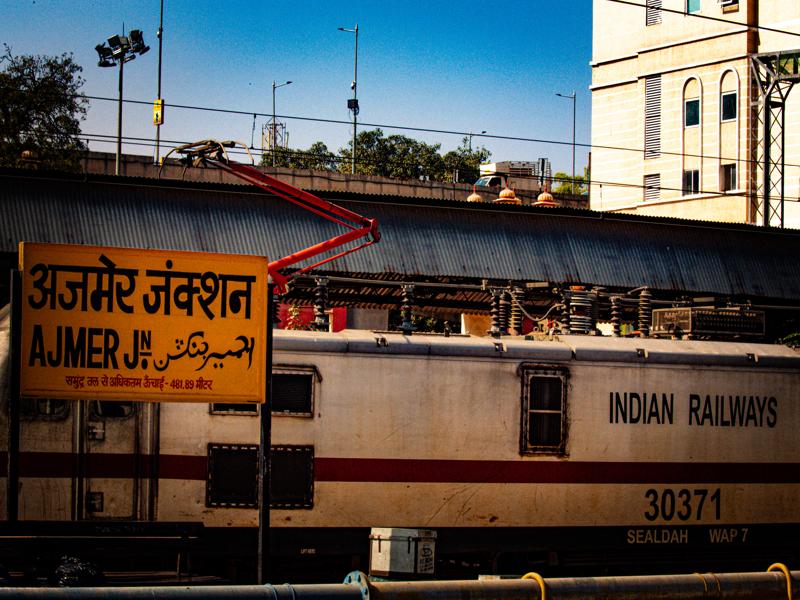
x=460 y=66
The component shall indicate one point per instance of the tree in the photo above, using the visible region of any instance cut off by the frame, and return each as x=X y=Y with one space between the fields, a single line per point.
x=40 y=111
x=396 y=156
x=563 y=182
x=317 y=157
x=463 y=163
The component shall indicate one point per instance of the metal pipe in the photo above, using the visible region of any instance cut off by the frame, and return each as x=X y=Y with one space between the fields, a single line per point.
x=492 y=589
x=732 y=586
x=698 y=586
x=225 y=592
x=765 y=586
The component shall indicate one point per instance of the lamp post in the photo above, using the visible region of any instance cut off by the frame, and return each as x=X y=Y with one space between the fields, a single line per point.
x=572 y=97
x=352 y=104
x=470 y=134
x=274 y=123
x=160 y=100
x=120 y=49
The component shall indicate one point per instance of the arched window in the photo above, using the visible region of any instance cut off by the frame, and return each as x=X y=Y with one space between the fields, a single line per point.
x=692 y=137
x=691 y=103
x=729 y=97
x=728 y=130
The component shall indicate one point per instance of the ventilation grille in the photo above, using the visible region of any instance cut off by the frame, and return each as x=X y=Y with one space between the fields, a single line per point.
x=652 y=117
x=652 y=187
x=653 y=12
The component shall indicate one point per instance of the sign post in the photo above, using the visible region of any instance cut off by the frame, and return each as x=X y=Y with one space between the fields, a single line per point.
x=142 y=325
x=99 y=323
x=265 y=451
x=12 y=467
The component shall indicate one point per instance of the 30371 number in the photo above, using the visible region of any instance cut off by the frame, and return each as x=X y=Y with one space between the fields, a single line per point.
x=683 y=504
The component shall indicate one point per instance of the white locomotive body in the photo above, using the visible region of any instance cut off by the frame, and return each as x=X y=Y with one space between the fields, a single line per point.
x=582 y=449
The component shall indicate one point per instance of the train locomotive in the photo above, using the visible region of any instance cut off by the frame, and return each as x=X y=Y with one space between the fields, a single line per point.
x=561 y=454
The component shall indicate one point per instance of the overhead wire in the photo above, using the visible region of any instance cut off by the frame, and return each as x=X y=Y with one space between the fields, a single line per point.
x=708 y=18
x=150 y=142
x=446 y=132
x=338 y=158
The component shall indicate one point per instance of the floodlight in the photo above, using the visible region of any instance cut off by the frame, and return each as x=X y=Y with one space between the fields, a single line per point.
x=117 y=42
x=120 y=49
x=104 y=52
x=137 y=41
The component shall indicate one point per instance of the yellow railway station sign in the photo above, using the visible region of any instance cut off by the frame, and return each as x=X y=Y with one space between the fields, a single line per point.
x=107 y=323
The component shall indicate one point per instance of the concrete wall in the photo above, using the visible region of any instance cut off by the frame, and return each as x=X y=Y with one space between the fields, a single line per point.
x=315 y=181
x=696 y=58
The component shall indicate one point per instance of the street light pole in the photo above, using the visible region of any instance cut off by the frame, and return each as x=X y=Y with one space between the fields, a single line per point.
x=120 y=50
x=353 y=104
x=470 y=134
x=274 y=122
x=572 y=97
x=119 y=119
x=160 y=35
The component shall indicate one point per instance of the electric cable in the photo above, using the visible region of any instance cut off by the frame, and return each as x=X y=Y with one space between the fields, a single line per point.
x=708 y=18
x=148 y=142
x=588 y=146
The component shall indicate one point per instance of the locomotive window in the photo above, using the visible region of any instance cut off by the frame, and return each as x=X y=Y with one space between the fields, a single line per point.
x=292 y=470
x=232 y=476
x=219 y=408
x=45 y=409
x=112 y=409
x=544 y=401
x=293 y=393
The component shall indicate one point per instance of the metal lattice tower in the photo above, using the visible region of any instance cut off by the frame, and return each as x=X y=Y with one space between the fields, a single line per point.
x=772 y=76
x=274 y=137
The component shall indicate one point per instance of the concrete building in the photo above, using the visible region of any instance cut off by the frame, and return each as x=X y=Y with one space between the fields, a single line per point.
x=679 y=110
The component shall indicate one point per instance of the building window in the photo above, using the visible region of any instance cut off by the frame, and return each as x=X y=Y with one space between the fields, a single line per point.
x=691 y=112
x=729 y=5
x=691 y=182
x=652 y=116
x=113 y=409
x=223 y=408
x=728 y=177
x=293 y=392
x=544 y=409
x=692 y=6
x=653 y=12
x=729 y=106
x=292 y=470
x=652 y=187
x=232 y=476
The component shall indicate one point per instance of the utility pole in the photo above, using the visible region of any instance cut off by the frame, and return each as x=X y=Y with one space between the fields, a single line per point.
x=572 y=97
x=160 y=35
x=353 y=103
x=274 y=122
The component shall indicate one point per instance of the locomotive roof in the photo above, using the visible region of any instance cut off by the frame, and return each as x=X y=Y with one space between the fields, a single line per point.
x=563 y=348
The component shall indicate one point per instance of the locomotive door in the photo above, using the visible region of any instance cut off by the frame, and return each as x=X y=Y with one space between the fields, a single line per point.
x=111 y=452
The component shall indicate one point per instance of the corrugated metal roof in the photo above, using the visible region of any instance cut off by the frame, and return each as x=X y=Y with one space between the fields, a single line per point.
x=419 y=238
